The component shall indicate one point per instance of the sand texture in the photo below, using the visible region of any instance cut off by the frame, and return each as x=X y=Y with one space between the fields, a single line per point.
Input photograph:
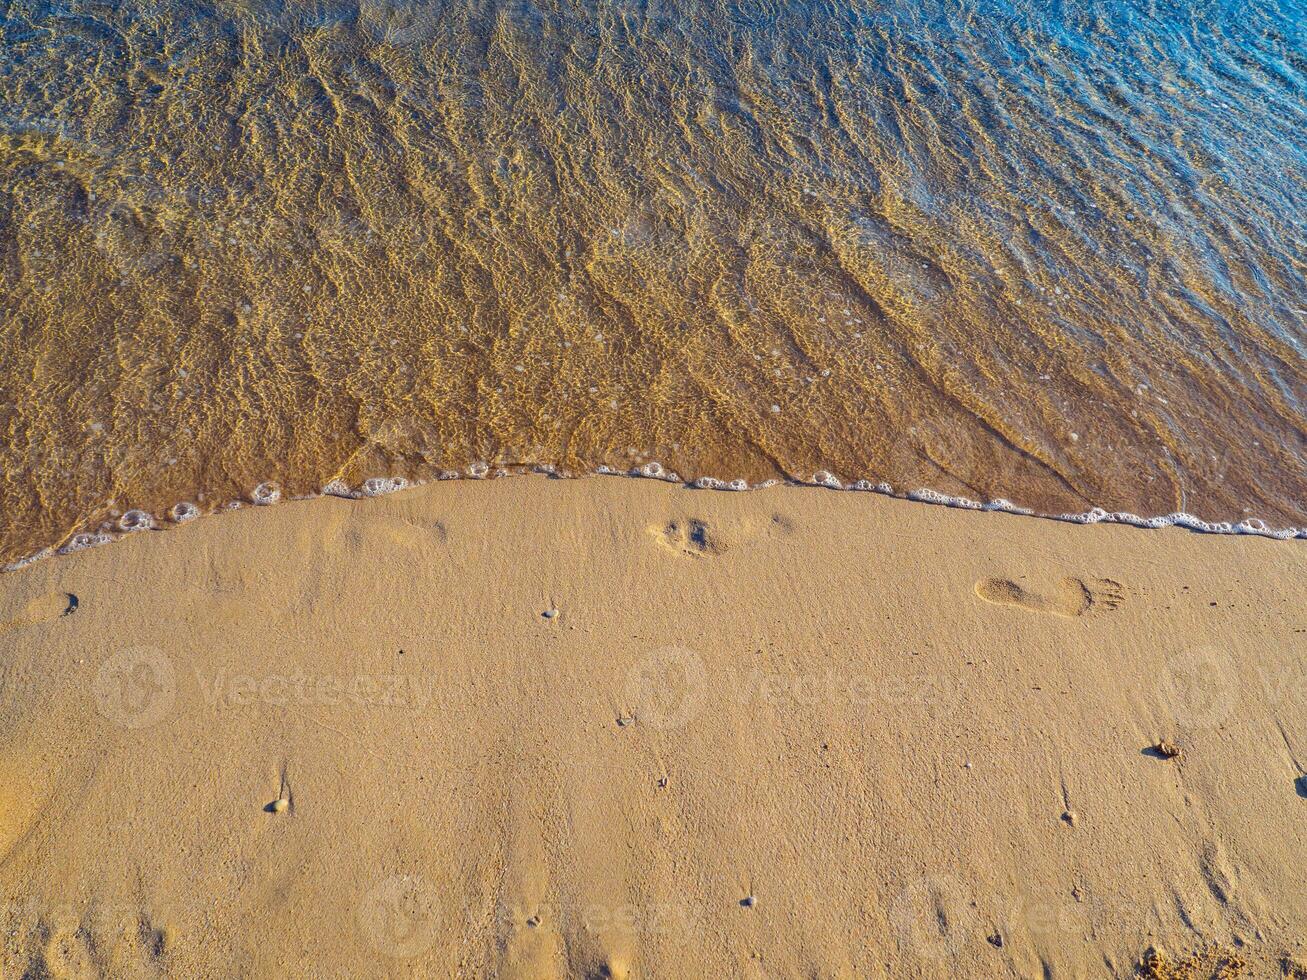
x=611 y=727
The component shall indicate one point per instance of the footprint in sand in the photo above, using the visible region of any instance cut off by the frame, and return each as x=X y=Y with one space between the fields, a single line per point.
x=42 y=609
x=697 y=538
x=1071 y=596
x=689 y=537
x=58 y=946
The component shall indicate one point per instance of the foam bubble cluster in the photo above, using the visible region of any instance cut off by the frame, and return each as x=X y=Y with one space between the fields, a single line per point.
x=1005 y=506
x=929 y=496
x=375 y=486
x=712 y=483
x=269 y=493
x=378 y=486
x=656 y=471
x=80 y=542
x=1253 y=525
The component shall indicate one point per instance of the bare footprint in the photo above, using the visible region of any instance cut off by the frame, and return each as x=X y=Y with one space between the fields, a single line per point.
x=42 y=609
x=1071 y=597
x=689 y=537
x=697 y=538
x=782 y=524
x=104 y=943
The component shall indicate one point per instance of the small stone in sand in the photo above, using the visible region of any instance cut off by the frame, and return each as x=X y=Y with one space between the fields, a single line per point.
x=533 y=921
x=662 y=782
x=279 y=805
x=749 y=901
x=624 y=720
x=1166 y=749
x=550 y=613
x=1069 y=818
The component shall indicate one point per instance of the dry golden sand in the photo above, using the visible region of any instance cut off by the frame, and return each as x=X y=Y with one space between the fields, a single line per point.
x=784 y=733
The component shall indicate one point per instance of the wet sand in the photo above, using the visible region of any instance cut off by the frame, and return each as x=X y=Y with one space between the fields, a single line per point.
x=1045 y=252
x=611 y=727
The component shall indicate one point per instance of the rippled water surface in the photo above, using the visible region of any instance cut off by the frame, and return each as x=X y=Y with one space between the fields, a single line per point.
x=1055 y=252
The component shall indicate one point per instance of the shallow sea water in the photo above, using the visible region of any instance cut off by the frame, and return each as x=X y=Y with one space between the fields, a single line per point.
x=1053 y=252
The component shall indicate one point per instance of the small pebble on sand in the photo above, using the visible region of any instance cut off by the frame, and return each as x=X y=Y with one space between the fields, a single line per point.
x=550 y=613
x=749 y=901
x=279 y=805
x=1167 y=749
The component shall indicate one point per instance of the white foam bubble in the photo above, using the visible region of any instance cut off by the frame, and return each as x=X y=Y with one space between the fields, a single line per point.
x=136 y=520
x=266 y=493
x=183 y=512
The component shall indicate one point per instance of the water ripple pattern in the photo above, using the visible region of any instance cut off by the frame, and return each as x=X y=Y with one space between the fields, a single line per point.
x=1048 y=251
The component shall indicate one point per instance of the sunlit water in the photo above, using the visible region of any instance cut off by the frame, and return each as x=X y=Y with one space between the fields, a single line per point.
x=1055 y=252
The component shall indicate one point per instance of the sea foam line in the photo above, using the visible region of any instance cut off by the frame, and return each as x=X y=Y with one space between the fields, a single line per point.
x=269 y=493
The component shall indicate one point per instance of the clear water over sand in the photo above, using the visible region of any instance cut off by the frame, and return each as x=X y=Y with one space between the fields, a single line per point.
x=1052 y=252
